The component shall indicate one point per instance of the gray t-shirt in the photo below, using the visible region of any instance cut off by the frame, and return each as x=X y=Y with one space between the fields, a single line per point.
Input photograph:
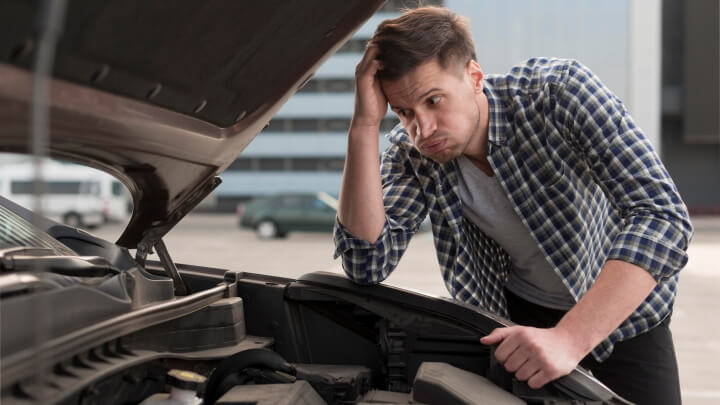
x=531 y=276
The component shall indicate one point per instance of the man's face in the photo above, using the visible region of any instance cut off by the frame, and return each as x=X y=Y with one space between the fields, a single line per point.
x=438 y=107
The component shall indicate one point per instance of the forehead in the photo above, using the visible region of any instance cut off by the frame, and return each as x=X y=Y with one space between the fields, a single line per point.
x=407 y=88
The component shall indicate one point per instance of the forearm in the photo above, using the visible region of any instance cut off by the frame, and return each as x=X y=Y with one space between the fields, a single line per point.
x=619 y=289
x=361 y=208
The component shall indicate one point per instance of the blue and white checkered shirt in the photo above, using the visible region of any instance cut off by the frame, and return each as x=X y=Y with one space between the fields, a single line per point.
x=582 y=176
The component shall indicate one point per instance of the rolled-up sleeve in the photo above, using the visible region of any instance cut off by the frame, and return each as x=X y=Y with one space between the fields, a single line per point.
x=656 y=230
x=370 y=263
x=363 y=262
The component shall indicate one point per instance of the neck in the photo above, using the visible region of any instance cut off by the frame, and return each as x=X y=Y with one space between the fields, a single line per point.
x=483 y=165
x=477 y=150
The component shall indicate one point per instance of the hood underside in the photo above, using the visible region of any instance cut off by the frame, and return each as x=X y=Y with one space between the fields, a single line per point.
x=164 y=95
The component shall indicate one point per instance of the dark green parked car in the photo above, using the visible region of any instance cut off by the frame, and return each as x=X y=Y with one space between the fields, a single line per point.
x=276 y=215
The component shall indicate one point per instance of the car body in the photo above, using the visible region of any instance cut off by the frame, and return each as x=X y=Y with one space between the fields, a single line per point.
x=274 y=216
x=164 y=97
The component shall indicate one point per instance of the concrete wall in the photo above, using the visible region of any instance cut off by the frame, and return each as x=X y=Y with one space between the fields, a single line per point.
x=693 y=161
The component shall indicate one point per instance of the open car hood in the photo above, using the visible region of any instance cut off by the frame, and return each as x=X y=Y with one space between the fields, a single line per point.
x=165 y=95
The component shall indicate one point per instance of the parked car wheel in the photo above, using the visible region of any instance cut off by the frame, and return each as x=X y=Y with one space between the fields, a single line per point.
x=72 y=219
x=267 y=229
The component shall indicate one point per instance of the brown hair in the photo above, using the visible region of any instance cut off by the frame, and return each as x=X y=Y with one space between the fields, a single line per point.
x=421 y=35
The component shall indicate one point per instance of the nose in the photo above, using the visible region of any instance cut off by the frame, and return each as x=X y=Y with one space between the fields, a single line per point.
x=425 y=125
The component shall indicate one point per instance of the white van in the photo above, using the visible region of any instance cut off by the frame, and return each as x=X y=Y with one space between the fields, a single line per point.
x=116 y=199
x=71 y=195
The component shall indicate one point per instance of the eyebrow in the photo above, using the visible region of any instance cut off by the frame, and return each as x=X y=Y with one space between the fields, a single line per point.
x=420 y=97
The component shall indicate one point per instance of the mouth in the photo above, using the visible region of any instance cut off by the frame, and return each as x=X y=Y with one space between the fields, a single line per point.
x=433 y=146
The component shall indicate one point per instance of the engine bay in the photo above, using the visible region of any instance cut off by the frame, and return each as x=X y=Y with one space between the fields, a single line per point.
x=123 y=335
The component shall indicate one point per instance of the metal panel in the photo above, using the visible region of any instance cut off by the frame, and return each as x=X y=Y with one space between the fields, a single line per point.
x=702 y=72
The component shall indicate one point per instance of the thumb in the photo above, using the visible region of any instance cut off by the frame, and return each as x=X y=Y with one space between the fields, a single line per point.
x=496 y=336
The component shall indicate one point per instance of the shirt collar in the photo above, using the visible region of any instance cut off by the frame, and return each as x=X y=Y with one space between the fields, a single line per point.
x=497 y=111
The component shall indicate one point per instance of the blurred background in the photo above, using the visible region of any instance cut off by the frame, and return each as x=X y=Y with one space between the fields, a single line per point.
x=661 y=57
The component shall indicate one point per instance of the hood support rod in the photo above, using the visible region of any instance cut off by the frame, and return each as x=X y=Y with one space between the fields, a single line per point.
x=170 y=268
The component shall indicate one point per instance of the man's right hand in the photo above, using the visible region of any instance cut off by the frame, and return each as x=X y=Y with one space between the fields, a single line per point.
x=370 y=102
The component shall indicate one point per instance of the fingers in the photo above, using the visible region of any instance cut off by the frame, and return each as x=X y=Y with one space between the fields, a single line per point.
x=526 y=367
x=367 y=68
x=535 y=375
x=496 y=336
x=516 y=359
x=538 y=380
x=528 y=370
x=371 y=51
x=526 y=352
x=507 y=349
x=370 y=101
x=369 y=65
x=508 y=340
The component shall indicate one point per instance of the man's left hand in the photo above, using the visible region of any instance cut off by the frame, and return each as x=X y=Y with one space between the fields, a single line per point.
x=537 y=356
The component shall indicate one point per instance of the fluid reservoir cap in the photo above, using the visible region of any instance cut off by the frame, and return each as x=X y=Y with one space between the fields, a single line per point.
x=186 y=380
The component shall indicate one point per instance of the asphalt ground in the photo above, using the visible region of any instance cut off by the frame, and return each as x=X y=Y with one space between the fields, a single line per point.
x=216 y=241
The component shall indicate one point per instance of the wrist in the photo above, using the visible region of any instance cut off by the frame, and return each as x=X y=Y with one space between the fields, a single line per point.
x=365 y=135
x=578 y=344
x=365 y=123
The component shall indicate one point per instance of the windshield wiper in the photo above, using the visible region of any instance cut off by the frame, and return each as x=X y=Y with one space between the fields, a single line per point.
x=78 y=266
x=26 y=251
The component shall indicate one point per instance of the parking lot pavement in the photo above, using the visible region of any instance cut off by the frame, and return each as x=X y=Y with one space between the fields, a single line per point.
x=216 y=241
x=695 y=323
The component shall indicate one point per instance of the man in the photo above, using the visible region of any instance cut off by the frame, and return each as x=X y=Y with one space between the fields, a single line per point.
x=548 y=205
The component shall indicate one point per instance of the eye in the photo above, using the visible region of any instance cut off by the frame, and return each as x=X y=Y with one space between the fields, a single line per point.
x=402 y=113
x=434 y=100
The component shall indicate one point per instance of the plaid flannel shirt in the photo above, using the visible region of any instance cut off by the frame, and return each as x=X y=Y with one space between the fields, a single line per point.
x=578 y=171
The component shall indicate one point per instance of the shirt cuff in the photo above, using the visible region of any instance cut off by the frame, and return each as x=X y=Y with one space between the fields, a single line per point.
x=346 y=241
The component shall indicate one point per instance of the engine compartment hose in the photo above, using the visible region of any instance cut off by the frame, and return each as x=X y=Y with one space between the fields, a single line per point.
x=224 y=376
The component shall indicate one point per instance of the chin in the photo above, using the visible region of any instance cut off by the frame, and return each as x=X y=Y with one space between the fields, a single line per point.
x=443 y=157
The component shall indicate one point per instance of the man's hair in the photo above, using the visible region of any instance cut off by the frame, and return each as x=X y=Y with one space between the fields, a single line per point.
x=421 y=35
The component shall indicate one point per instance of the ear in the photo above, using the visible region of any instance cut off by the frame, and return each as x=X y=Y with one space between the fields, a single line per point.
x=475 y=73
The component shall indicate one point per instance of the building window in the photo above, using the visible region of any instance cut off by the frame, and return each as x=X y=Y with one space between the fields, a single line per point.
x=277 y=125
x=305 y=125
x=272 y=164
x=241 y=164
x=307 y=164
x=50 y=187
x=285 y=125
x=311 y=86
x=335 y=125
x=329 y=86
x=355 y=45
x=392 y=6
x=331 y=165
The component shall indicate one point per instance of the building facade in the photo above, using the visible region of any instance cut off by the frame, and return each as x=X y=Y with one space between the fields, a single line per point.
x=661 y=57
x=648 y=53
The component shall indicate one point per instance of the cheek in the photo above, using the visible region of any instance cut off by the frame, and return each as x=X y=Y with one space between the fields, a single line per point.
x=460 y=123
x=409 y=126
x=470 y=116
x=410 y=132
x=451 y=120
